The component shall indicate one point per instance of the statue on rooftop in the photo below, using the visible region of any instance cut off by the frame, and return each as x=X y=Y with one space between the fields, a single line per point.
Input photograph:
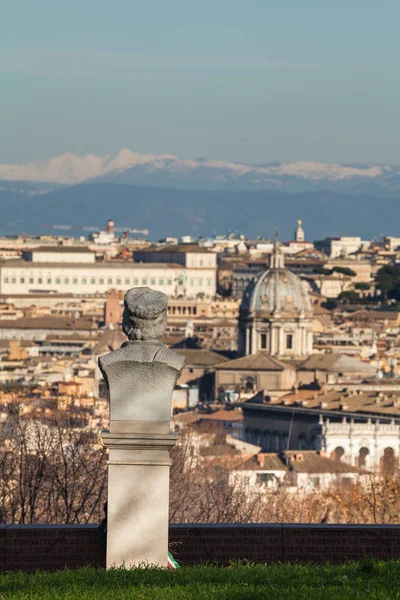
x=142 y=374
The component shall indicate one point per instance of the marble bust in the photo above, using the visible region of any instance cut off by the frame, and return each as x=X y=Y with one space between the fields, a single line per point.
x=142 y=374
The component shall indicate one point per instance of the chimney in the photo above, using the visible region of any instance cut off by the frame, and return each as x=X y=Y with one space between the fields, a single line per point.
x=261 y=460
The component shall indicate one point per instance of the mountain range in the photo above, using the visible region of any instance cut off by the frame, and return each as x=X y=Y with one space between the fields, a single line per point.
x=168 y=170
x=173 y=196
x=176 y=212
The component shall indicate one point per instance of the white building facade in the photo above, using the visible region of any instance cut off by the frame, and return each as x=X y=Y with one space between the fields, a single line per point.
x=24 y=277
x=372 y=445
x=341 y=246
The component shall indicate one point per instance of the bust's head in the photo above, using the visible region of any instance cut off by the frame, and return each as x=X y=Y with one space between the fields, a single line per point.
x=145 y=314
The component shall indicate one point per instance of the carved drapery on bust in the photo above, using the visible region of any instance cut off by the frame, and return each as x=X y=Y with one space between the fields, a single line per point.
x=142 y=374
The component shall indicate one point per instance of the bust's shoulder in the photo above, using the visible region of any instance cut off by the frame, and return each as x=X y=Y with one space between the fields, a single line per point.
x=143 y=353
x=170 y=357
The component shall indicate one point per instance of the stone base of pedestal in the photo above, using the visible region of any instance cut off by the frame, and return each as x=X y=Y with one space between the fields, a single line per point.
x=138 y=498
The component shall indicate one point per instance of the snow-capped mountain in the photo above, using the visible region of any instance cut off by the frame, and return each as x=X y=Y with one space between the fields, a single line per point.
x=168 y=170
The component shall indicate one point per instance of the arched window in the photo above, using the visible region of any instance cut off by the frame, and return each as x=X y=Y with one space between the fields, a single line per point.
x=362 y=457
x=388 y=462
x=338 y=453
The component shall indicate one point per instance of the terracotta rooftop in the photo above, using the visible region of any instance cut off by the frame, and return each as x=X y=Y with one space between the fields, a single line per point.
x=63 y=249
x=50 y=322
x=364 y=402
x=374 y=315
x=181 y=248
x=235 y=415
x=111 y=339
x=336 y=363
x=262 y=361
x=201 y=358
x=123 y=264
x=312 y=462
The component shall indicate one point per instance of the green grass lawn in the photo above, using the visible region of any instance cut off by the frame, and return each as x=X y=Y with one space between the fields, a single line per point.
x=367 y=579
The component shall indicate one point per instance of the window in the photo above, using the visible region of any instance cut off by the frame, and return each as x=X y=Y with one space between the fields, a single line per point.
x=263 y=341
x=66 y=280
x=93 y=280
x=5 y=279
x=13 y=280
x=362 y=457
x=127 y=281
x=22 y=280
x=136 y=281
x=161 y=282
x=201 y=263
x=118 y=281
x=75 y=281
x=40 y=280
x=31 y=280
x=57 y=280
x=191 y=282
x=101 y=281
x=200 y=282
x=289 y=341
x=84 y=280
x=109 y=281
x=209 y=282
x=144 y=281
x=169 y=281
x=152 y=282
x=266 y=477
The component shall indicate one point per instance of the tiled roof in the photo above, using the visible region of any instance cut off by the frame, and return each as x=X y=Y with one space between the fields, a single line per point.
x=123 y=264
x=264 y=462
x=201 y=358
x=364 y=402
x=181 y=248
x=262 y=361
x=110 y=340
x=336 y=363
x=68 y=323
x=63 y=249
x=224 y=415
x=312 y=462
x=374 y=315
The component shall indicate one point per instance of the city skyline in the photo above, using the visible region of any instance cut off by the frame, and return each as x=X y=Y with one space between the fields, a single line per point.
x=255 y=84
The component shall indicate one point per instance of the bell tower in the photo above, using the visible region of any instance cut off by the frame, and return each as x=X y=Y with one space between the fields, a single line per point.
x=299 y=233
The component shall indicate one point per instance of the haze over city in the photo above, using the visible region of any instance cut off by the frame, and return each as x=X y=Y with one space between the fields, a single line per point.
x=254 y=82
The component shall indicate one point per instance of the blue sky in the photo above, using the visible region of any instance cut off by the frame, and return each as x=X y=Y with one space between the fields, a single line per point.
x=250 y=81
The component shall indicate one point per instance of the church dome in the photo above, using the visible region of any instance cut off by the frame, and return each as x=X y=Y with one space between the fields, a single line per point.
x=277 y=291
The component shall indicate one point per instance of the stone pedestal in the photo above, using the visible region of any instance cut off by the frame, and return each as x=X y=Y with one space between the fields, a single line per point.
x=140 y=377
x=138 y=498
